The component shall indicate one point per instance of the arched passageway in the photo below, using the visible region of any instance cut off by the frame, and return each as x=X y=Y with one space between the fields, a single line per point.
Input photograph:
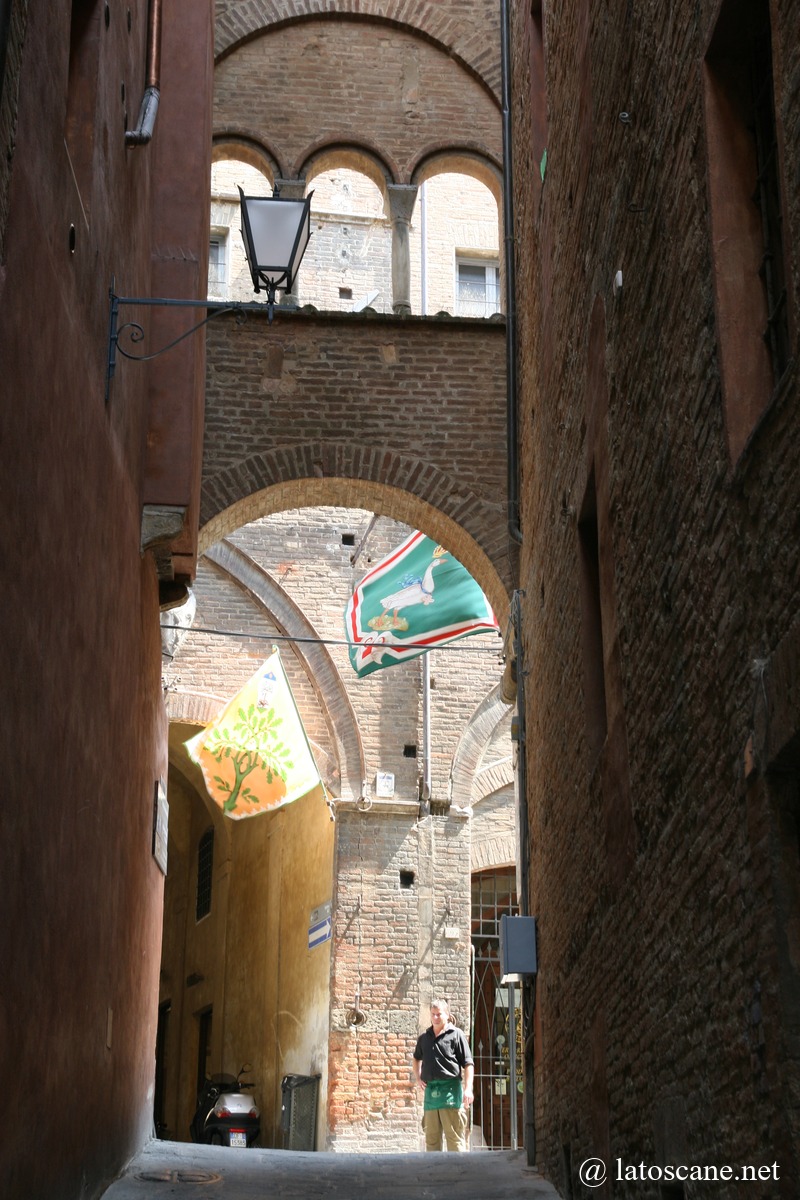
x=392 y=872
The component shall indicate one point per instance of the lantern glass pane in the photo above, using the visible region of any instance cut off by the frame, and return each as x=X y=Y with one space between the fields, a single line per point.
x=305 y=236
x=274 y=225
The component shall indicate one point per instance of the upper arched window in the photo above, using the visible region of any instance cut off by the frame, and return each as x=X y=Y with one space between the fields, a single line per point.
x=455 y=264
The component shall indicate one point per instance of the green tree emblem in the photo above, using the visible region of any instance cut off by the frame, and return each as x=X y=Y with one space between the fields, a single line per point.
x=253 y=745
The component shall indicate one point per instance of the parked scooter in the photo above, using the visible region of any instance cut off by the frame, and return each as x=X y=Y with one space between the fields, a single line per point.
x=226 y=1114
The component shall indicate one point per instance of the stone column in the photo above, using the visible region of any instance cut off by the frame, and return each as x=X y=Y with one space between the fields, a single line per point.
x=402 y=198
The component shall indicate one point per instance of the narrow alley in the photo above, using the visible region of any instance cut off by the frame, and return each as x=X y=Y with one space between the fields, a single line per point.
x=399 y=412
x=166 y=1169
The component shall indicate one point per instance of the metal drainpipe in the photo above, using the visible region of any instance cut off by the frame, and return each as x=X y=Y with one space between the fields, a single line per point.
x=143 y=132
x=426 y=729
x=423 y=223
x=511 y=287
x=529 y=1137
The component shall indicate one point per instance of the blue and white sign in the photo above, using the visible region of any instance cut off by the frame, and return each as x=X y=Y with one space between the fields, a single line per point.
x=319 y=926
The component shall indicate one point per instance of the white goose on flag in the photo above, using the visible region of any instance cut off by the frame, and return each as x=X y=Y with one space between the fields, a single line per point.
x=417 y=598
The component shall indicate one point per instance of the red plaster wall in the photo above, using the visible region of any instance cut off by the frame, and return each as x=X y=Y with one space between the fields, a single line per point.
x=83 y=729
x=182 y=160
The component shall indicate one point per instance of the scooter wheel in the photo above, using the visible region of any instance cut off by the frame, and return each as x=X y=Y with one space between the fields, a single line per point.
x=216 y=1139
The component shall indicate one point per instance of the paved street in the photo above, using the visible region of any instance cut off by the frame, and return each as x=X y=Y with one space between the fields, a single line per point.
x=167 y=1170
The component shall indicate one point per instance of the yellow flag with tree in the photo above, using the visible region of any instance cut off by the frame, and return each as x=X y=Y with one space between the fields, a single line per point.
x=255 y=756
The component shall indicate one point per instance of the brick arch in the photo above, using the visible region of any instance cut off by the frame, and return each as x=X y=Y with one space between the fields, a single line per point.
x=462 y=160
x=247 y=148
x=234 y=501
x=396 y=124
x=466 y=788
x=192 y=708
x=344 y=152
x=468 y=43
x=492 y=852
x=493 y=780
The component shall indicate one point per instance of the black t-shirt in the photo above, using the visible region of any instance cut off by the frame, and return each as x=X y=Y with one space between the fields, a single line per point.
x=443 y=1057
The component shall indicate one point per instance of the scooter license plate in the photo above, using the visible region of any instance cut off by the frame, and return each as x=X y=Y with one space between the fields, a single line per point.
x=238 y=1138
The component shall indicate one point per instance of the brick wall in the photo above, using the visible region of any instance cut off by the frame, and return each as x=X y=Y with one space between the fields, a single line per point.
x=83 y=721
x=406 y=99
x=393 y=954
x=11 y=52
x=663 y=1020
x=415 y=406
x=466 y=28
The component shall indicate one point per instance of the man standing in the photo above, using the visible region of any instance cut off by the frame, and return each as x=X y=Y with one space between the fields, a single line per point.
x=441 y=1055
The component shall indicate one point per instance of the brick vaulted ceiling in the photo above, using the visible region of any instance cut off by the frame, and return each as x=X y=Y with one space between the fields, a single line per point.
x=464 y=30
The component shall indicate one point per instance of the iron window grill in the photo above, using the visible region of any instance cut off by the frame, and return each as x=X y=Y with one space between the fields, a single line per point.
x=493 y=896
x=205 y=871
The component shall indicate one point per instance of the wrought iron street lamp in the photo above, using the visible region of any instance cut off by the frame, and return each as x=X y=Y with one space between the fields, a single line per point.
x=276 y=233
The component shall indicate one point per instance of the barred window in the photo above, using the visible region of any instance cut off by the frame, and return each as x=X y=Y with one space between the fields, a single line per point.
x=477 y=288
x=205 y=871
x=218 y=264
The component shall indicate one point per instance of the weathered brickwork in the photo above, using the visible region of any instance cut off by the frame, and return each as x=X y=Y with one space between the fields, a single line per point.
x=401 y=889
x=466 y=28
x=407 y=102
x=349 y=397
x=663 y=1004
x=83 y=722
x=12 y=51
x=395 y=957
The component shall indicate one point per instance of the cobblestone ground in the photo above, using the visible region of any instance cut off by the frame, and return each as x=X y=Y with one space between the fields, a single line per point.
x=172 y=1171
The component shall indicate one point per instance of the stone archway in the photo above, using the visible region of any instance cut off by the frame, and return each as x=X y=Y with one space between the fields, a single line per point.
x=402 y=417
x=379 y=498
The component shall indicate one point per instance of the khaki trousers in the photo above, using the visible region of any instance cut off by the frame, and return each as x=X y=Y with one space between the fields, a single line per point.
x=452 y=1122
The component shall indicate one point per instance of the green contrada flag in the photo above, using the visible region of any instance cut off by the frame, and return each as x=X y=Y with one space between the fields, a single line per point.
x=419 y=597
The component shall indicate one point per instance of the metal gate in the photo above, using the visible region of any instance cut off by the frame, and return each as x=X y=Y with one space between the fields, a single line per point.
x=493 y=894
x=299 y=1096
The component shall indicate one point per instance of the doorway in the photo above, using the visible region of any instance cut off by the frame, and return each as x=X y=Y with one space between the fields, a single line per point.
x=493 y=1025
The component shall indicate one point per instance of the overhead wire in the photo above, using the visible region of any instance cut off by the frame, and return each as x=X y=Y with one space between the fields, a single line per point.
x=463 y=644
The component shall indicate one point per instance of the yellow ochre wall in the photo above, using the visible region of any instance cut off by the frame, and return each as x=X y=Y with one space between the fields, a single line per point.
x=269 y=992
x=277 y=990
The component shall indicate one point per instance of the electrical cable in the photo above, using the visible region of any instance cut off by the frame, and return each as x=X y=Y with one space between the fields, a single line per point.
x=320 y=641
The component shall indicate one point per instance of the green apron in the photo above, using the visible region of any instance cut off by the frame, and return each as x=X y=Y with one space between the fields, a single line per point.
x=443 y=1093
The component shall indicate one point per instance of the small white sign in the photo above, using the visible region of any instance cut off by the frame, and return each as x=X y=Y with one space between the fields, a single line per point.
x=319 y=933
x=320 y=927
x=320 y=913
x=384 y=784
